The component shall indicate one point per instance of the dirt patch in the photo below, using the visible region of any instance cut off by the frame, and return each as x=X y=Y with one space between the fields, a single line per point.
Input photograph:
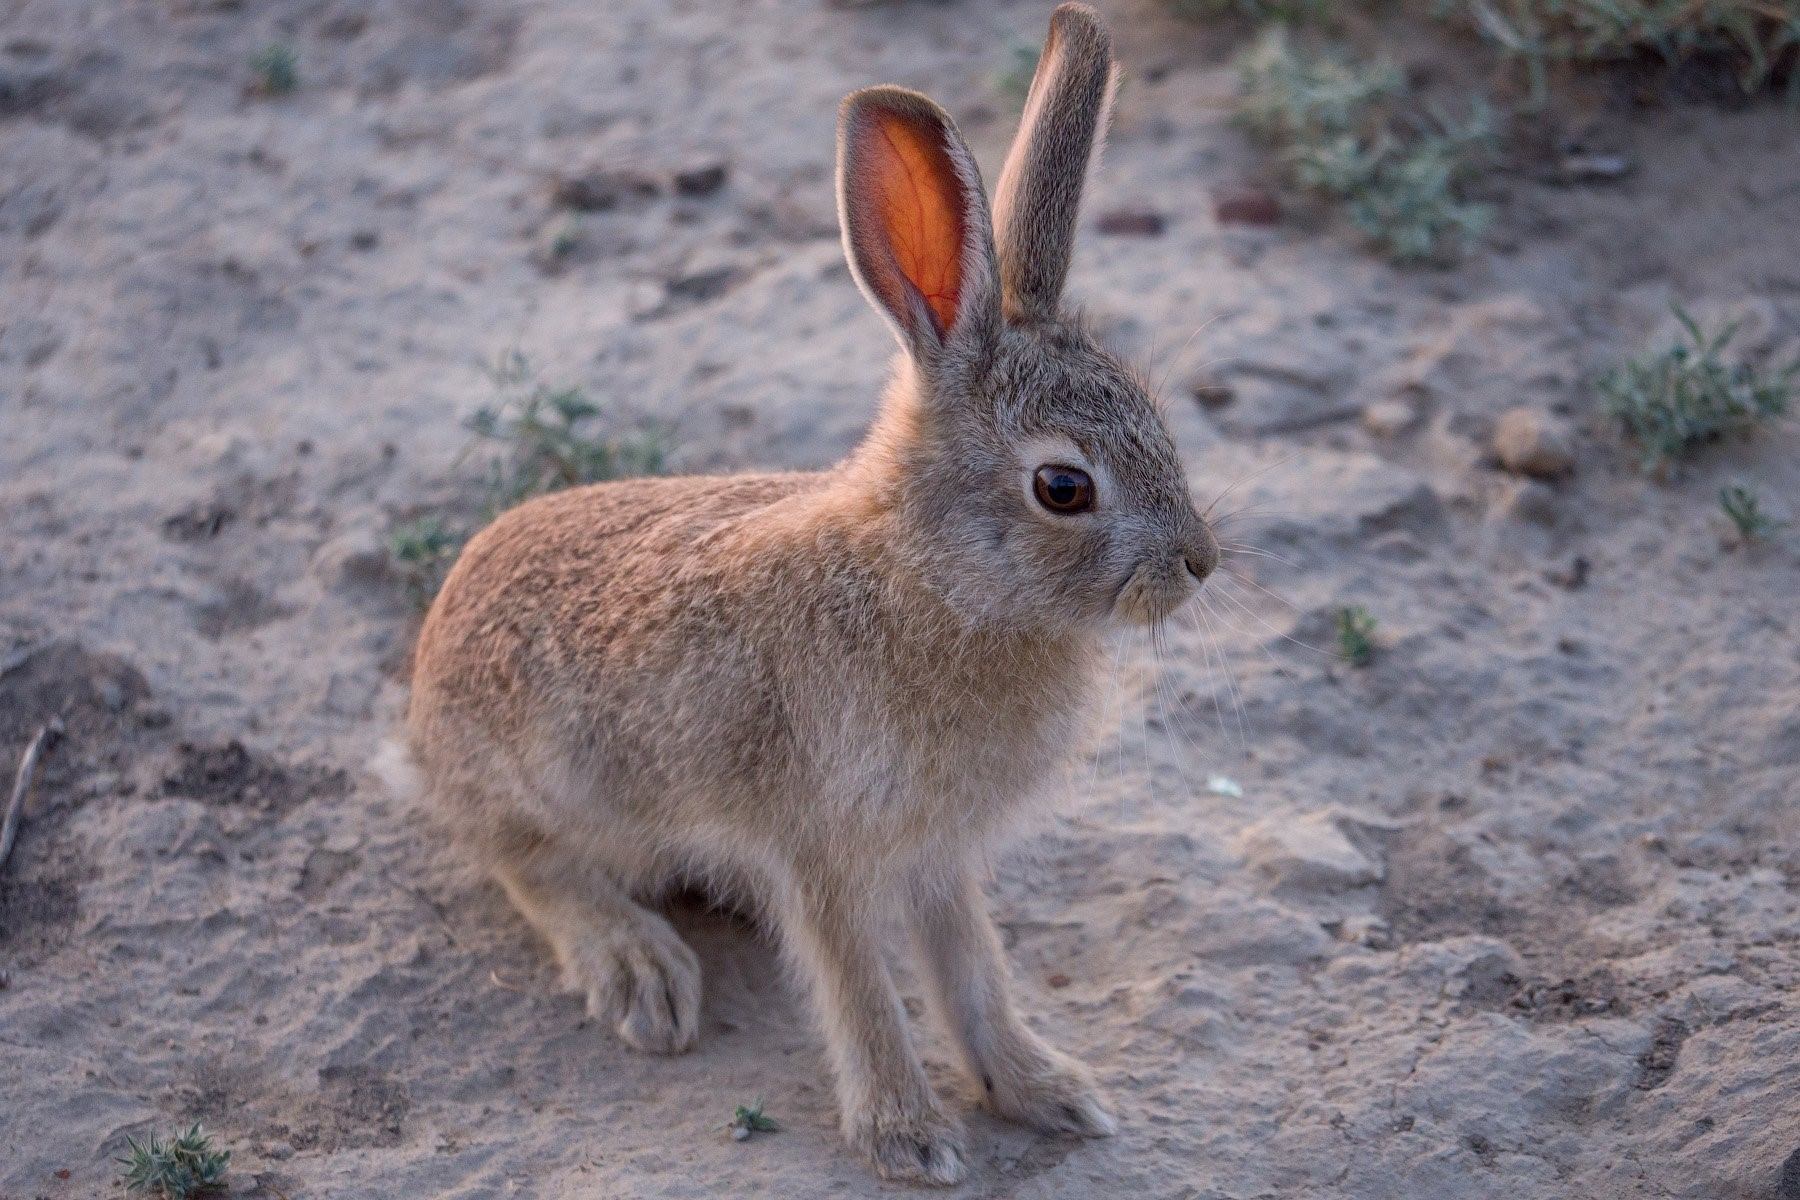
x=229 y=774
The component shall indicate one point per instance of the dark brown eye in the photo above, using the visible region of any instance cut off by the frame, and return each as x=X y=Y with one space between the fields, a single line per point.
x=1063 y=489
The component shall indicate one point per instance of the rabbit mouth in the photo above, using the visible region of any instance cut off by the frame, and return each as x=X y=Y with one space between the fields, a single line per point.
x=1153 y=592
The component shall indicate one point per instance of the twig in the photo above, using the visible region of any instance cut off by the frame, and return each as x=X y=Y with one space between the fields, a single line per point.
x=9 y=830
x=511 y=987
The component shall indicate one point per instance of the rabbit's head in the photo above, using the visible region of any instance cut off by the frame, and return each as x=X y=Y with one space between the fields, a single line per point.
x=1034 y=478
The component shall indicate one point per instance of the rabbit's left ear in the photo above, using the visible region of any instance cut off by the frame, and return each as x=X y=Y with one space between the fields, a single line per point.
x=1040 y=187
x=915 y=221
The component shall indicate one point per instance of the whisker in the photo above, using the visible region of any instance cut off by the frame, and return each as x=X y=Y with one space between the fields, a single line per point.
x=1239 y=604
x=1257 y=552
x=1242 y=578
x=1237 y=702
x=1257 y=474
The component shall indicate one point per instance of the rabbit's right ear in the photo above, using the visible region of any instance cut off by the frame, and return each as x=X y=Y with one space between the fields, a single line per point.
x=915 y=220
x=1040 y=187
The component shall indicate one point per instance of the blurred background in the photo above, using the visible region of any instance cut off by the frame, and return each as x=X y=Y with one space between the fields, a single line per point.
x=1445 y=849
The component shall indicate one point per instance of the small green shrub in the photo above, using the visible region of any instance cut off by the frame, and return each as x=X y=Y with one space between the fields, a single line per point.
x=1350 y=131
x=544 y=439
x=749 y=1119
x=553 y=438
x=1255 y=10
x=1356 y=635
x=1675 y=400
x=1745 y=511
x=275 y=70
x=423 y=551
x=184 y=1166
x=1761 y=36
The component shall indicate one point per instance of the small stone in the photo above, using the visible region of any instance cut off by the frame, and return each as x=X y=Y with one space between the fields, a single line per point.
x=601 y=190
x=1057 y=980
x=1246 y=206
x=1312 y=851
x=1593 y=168
x=701 y=180
x=1573 y=576
x=1388 y=418
x=1531 y=442
x=740 y=1133
x=1528 y=500
x=1131 y=222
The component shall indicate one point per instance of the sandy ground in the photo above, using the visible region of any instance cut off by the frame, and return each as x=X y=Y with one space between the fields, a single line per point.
x=1512 y=912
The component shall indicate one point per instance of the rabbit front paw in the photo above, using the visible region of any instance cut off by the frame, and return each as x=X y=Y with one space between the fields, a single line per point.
x=920 y=1144
x=646 y=981
x=1052 y=1092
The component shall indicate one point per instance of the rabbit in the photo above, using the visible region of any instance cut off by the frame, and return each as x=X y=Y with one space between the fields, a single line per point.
x=832 y=693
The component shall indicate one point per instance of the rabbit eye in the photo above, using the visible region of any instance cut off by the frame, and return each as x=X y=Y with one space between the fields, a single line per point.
x=1063 y=489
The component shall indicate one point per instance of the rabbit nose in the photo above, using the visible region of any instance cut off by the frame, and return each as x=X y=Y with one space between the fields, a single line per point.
x=1203 y=557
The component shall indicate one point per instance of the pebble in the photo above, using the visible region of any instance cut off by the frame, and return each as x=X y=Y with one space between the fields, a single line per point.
x=1312 y=851
x=599 y=190
x=1529 y=441
x=1388 y=418
x=702 y=179
x=1131 y=222
x=1246 y=206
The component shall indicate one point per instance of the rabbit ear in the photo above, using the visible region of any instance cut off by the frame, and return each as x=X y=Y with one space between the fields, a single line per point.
x=915 y=221
x=1040 y=186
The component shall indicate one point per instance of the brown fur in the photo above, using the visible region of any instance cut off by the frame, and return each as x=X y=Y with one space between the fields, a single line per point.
x=831 y=692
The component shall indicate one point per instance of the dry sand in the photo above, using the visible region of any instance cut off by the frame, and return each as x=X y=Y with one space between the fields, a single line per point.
x=1512 y=912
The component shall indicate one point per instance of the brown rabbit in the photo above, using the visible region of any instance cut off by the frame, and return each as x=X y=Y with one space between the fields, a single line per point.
x=828 y=693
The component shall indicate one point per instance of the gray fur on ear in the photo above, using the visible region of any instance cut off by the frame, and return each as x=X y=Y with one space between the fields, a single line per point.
x=1039 y=194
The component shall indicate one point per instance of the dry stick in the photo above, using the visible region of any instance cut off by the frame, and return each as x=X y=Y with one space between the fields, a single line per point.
x=9 y=831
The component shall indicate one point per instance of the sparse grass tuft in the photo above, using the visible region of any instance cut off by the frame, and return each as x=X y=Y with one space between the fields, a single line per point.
x=1356 y=635
x=276 y=70
x=1255 y=10
x=545 y=439
x=553 y=438
x=1673 y=401
x=423 y=552
x=1761 y=37
x=185 y=1165
x=1745 y=510
x=1350 y=131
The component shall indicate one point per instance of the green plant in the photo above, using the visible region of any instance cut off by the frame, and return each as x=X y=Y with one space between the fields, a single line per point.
x=276 y=70
x=1349 y=130
x=1761 y=36
x=1356 y=635
x=545 y=439
x=185 y=1165
x=1255 y=10
x=423 y=551
x=1677 y=399
x=748 y=1119
x=553 y=438
x=1746 y=512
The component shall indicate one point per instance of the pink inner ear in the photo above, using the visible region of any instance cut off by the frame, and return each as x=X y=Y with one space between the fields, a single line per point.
x=914 y=200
